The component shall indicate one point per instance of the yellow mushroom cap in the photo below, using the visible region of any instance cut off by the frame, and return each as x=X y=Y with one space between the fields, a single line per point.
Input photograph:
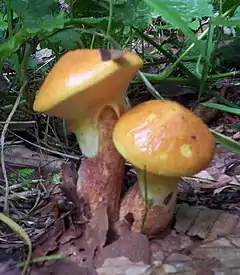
x=164 y=138
x=85 y=79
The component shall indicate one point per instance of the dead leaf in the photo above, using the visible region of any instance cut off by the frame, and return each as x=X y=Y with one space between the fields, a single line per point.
x=71 y=233
x=236 y=136
x=217 y=253
x=205 y=113
x=20 y=156
x=68 y=187
x=133 y=246
x=123 y=266
x=83 y=249
x=48 y=242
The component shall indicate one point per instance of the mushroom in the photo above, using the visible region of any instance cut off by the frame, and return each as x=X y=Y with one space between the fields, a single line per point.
x=164 y=141
x=87 y=89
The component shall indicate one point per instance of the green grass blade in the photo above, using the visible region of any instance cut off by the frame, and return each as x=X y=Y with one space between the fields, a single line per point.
x=207 y=57
x=227 y=142
x=223 y=100
x=19 y=230
x=224 y=108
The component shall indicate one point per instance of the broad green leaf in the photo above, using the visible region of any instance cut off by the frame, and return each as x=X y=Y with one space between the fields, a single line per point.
x=189 y=9
x=47 y=24
x=68 y=39
x=171 y=14
x=223 y=108
x=194 y=25
x=13 y=44
x=227 y=142
x=133 y=12
x=88 y=20
x=3 y=26
x=35 y=12
x=93 y=8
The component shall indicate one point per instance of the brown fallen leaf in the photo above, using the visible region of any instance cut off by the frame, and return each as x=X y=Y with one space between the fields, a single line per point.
x=70 y=234
x=20 y=156
x=82 y=250
x=123 y=266
x=48 y=242
x=182 y=253
x=205 y=113
x=81 y=214
x=131 y=245
x=236 y=136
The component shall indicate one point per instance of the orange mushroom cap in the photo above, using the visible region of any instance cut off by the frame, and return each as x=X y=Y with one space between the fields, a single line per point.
x=81 y=84
x=83 y=79
x=164 y=138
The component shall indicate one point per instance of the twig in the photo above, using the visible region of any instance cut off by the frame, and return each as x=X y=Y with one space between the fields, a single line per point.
x=18 y=122
x=23 y=195
x=6 y=210
x=149 y=86
x=46 y=149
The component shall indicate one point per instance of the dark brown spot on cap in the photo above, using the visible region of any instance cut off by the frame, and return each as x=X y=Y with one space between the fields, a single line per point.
x=107 y=55
x=194 y=137
x=168 y=198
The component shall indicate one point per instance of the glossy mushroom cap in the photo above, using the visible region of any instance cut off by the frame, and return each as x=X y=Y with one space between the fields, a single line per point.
x=81 y=84
x=85 y=79
x=164 y=138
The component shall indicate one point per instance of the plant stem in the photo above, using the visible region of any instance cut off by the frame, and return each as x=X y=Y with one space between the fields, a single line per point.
x=10 y=35
x=208 y=54
x=223 y=75
x=9 y=17
x=175 y=80
x=27 y=95
x=109 y=20
x=149 y=86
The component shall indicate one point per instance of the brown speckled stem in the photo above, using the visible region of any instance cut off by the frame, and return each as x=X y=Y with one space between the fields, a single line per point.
x=153 y=216
x=100 y=178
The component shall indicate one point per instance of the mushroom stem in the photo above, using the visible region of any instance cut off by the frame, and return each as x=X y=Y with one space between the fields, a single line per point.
x=100 y=176
x=151 y=201
x=157 y=189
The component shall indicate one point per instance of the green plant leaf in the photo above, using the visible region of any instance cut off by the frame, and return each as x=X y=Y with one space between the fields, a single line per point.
x=221 y=107
x=56 y=178
x=3 y=26
x=227 y=142
x=189 y=9
x=23 y=172
x=172 y=15
x=33 y=13
x=135 y=12
x=93 y=8
x=68 y=39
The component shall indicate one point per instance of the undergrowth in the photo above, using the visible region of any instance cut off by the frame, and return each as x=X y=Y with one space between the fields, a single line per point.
x=182 y=43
